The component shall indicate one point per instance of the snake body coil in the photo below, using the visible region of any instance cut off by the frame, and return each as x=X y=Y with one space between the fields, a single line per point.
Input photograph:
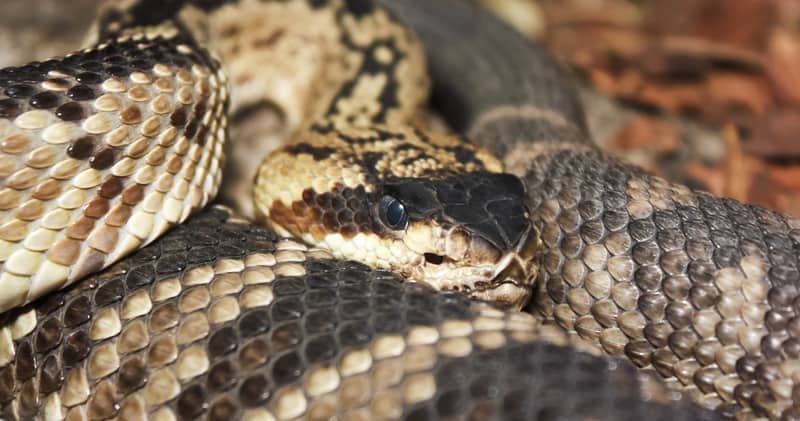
x=103 y=150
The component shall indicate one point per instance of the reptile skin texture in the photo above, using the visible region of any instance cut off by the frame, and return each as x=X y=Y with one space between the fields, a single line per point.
x=223 y=320
x=700 y=289
x=220 y=319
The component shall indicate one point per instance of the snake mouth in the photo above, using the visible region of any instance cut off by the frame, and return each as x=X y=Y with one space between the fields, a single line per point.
x=512 y=284
x=503 y=278
x=434 y=259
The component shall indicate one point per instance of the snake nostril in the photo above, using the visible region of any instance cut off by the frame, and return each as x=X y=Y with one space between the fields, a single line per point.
x=434 y=259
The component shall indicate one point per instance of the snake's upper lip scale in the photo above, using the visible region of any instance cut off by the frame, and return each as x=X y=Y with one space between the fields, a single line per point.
x=515 y=270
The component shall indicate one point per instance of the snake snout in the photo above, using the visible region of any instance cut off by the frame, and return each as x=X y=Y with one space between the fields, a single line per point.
x=472 y=233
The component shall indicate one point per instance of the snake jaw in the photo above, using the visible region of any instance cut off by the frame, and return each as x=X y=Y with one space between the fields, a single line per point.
x=515 y=273
x=455 y=260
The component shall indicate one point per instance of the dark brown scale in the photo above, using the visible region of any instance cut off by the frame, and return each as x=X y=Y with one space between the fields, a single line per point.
x=102 y=404
x=52 y=376
x=164 y=317
x=639 y=353
x=191 y=128
x=61 y=84
x=658 y=333
x=162 y=351
x=287 y=368
x=97 y=208
x=222 y=342
x=78 y=312
x=141 y=64
x=28 y=399
x=791 y=348
x=683 y=343
x=321 y=348
x=330 y=222
x=131 y=115
x=44 y=100
x=178 y=117
x=255 y=390
x=200 y=110
x=132 y=375
x=111 y=187
x=645 y=252
x=324 y=200
x=221 y=377
x=593 y=231
x=7 y=384
x=19 y=91
x=649 y=278
x=772 y=345
x=677 y=287
x=653 y=306
x=109 y=292
x=571 y=245
x=118 y=71
x=202 y=135
x=71 y=111
x=782 y=296
x=254 y=323
x=88 y=78
x=254 y=354
x=115 y=59
x=133 y=194
x=76 y=348
x=26 y=363
x=9 y=108
x=704 y=380
x=81 y=93
x=704 y=296
x=349 y=230
x=48 y=335
x=223 y=410
x=793 y=327
x=192 y=402
x=140 y=276
x=81 y=148
x=103 y=159
x=50 y=303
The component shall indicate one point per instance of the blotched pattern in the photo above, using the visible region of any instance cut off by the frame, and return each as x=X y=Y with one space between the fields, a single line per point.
x=101 y=152
x=700 y=289
x=222 y=320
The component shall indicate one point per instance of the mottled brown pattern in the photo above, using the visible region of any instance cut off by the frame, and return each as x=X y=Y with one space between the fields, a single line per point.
x=699 y=289
x=340 y=210
x=72 y=147
x=223 y=320
x=650 y=271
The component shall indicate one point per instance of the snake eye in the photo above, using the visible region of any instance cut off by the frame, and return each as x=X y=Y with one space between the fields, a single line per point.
x=393 y=213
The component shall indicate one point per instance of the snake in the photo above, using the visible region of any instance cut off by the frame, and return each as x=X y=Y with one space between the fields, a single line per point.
x=387 y=272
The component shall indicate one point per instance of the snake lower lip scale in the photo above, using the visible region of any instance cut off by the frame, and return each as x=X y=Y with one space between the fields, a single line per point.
x=105 y=150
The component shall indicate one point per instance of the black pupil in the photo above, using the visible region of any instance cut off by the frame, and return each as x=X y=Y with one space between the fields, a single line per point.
x=395 y=213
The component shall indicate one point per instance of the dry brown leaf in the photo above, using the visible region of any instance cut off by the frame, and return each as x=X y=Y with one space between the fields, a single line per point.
x=646 y=133
x=783 y=53
x=775 y=135
x=736 y=92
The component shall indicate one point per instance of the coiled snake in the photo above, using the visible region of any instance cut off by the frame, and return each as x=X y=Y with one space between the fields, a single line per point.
x=107 y=148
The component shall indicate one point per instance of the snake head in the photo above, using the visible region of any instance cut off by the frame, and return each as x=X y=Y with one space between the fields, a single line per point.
x=467 y=232
x=433 y=209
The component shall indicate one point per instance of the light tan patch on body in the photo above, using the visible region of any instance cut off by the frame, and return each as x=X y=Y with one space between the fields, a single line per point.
x=64 y=218
x=274 y=52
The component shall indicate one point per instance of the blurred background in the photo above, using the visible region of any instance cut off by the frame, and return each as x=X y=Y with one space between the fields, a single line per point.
x=704 y=92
